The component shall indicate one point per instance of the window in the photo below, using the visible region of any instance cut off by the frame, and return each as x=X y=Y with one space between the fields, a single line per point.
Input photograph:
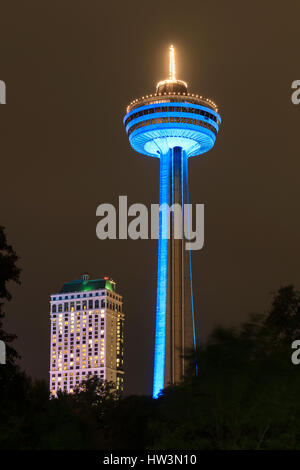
x=91 y=304
x=60 y=307
x=66 y=306
x=54 y=308
x=96 y=303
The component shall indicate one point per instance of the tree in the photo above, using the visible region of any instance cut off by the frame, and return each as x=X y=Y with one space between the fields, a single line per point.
x=246 y=396
x=127 y=424
x=9 y=271
x=284 y=316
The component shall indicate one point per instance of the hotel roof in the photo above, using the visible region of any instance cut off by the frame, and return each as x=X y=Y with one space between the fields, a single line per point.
x=81 y=285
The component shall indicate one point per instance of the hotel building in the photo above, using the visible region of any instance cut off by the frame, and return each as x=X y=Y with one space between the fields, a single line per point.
x=87 y=334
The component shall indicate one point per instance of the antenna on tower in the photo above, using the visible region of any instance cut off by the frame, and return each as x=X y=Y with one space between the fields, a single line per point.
x=172 y=63
x=171 y=85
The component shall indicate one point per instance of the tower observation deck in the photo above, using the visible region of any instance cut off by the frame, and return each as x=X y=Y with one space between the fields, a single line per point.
x=172 y=125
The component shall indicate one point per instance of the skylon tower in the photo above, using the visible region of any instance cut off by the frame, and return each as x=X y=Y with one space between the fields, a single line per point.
x=172 y=125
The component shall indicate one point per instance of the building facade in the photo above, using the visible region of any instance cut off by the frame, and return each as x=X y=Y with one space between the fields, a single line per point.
x=87 y=334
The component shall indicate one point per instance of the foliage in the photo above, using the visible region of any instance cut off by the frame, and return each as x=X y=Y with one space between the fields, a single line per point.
x=284 y=315
x=9 y=271
x=244 y=397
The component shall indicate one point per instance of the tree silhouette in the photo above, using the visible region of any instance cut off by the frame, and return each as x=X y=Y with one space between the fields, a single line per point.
x=9 y=271
x=242 y=398
x=284 y=316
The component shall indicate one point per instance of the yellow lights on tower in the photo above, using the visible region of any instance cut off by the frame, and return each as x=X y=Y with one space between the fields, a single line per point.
x=172 y=63
x=181 y=95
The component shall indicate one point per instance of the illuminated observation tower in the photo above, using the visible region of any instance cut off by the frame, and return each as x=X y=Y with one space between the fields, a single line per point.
x=172 y=125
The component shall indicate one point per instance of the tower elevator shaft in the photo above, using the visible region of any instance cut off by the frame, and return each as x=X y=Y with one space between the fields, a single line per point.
x=174 y=315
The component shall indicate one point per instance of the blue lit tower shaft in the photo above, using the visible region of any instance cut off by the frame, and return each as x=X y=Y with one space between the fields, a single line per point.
x=175 y=335
x=172 y=125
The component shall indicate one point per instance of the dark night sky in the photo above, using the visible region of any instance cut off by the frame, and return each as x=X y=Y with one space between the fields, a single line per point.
x=71 y=67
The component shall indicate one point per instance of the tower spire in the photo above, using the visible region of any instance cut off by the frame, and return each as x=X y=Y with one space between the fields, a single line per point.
x=171 y=85
x=172 y=63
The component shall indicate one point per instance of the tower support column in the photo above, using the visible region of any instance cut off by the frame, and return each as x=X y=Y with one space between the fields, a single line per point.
x=174 y=323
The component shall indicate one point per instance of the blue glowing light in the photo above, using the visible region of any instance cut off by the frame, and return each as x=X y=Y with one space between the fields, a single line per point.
x=162 y=278
x=153 y=132
x=190 y=263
